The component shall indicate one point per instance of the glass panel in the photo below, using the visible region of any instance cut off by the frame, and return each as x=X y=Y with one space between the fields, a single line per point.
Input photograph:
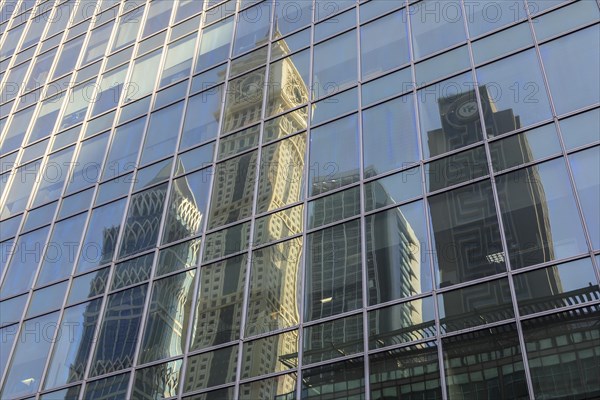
x=211 y=369
x=556 y=286
x=341 y=380
x=335 y=65
x=390 y=136
x=559 y=62
x=393 y=189
x=122 y=156
x=288 y=83
x=76 y=203
x=515 y=86
x=563 y=353
x=113 y=189
x=71 y=393
x=209 y=78
x=39 y=217
x=202 y=117
x=15 y=132
x=290 y=44
x=279 y=225
x=29 y=357
x=178 y=61
x=381 y=51
x=248 y=61
x=73 y=344
x=157 y=18
x=233 y=190
x=435 y=26
x=290 y=16
x=88 y=286
x=285 y=125
x=101 y=237
x=466 y=236
x=153 y=174
x=334 y=155
x=161 y=135
x=387 y=86
x=243 y=104
x=445 y=64
x=61 y=249
x=187 y=205
x=279 y=387
x=489 y=367
x=274 y=288
x=541 y=221
x=47 y=299
x=457 y=168
x=502 y=42
x=587 y=178
x=181 y=256
x=227 y=241
x=11 y=310
x=252 y=28
x=525 y=147
x=337 y=24
x=127 y=31
x=135 y=109
x=271 y=354
x=334 y=106
x=165 y=333
x=214 y=44
x=281 y=180
x=132 y=271
x=406 y=373
x=86 y=169
x=397 y=259
x=158 y=382
x=238 y=142
x=26 y=256
x=7 y=337
x=119 y=333
x=475 y=305
x=489 y=15
x=335 y=207
x=333 y=271
x=114 y=387
x=97 y=42
x=18 y=193
x=339 y=338
x=564 y=19
x=449 y=115
x=581 y=129
x=219 y=308
x=143 y=76
x=170 y=94
x=108 y=91
x=143 y=220
x=197 y=158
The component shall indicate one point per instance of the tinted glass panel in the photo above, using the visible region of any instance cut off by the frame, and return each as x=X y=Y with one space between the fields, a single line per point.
x=132 y=271
x=342 y=380
x=333 y=339
x=159 y=381
x=282 y=386
x=276 y=353
x=587 y=178
x=112 y=387
x=211 y=369
x=436 y=26
x=335 y=65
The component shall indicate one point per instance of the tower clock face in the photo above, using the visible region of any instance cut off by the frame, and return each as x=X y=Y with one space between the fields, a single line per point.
x=463 y=111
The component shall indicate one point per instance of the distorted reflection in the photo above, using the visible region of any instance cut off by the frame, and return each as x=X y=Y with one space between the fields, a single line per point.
x=211 y=369
x=143 y=220
x=405 y=322
x=281 y=180
x=279 y=225
x=181 y=256
x=274 y=288
x=244 y=99
x=406 y=373
x=271 y=354
x=87 y=286
x=238 y=142
x=132 y=271
x=490 y=366
x=333 y=271
x=219 y=307
x=288 y=80
x=466 y=234
x=335 y=207
x=119 y=334
x=285 y=125
x=341 y=380
x=112 y=387
x=333 y=339
x=279 y=387
x=157 y=382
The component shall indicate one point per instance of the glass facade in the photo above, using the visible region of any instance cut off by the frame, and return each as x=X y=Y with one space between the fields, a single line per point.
x=337 y=199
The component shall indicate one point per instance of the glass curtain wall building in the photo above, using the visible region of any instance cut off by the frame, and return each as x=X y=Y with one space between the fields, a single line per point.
x=288 y=199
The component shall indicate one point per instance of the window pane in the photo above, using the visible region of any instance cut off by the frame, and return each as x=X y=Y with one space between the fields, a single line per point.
x=11 y=311
x=390 y=136
x=457 y=168
x=341 y=380
x=233 y=190
x=219 y=308
x=158 y=17
x=335 y=207
x=161 y=135
x=281 y=180
x=335 y=64
x=406 y=373
x=274 y=288
x=490 y=15
x=202 y=117
x=181 y=256
x=397 y=260
x=475 y=305
x=279 y=387
x=28 y=360
x=541 y=221
x=112 y=387
x=132 y=271
x=381 y=51
x=271 y=354
x=564 y=353
x=101 y=237
x=178 y=61
x=54 y=173
x=119 y=333
x=227 y=242
x=587 y=178
x=211 y=369
x=491 y=365
x=568 y=59
x=73 y=345
x=252 y=28
x=86 y=170
x=129 y=24
x=165 y=332
x=18 y=193
x=47 y=299
x=291 y=15
x=288 y=83
x=333 y=339
x=333 y=271
x=279 y=225
x=143 y=76
x=87 y=286
x=97 y=42
x=159 y=381
x=187 y=205
x=243 y=103
x=122 y=156
x=436 y=26
x=466 y=235
x=581 y=129
x=214 y=44
x=334 y=155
